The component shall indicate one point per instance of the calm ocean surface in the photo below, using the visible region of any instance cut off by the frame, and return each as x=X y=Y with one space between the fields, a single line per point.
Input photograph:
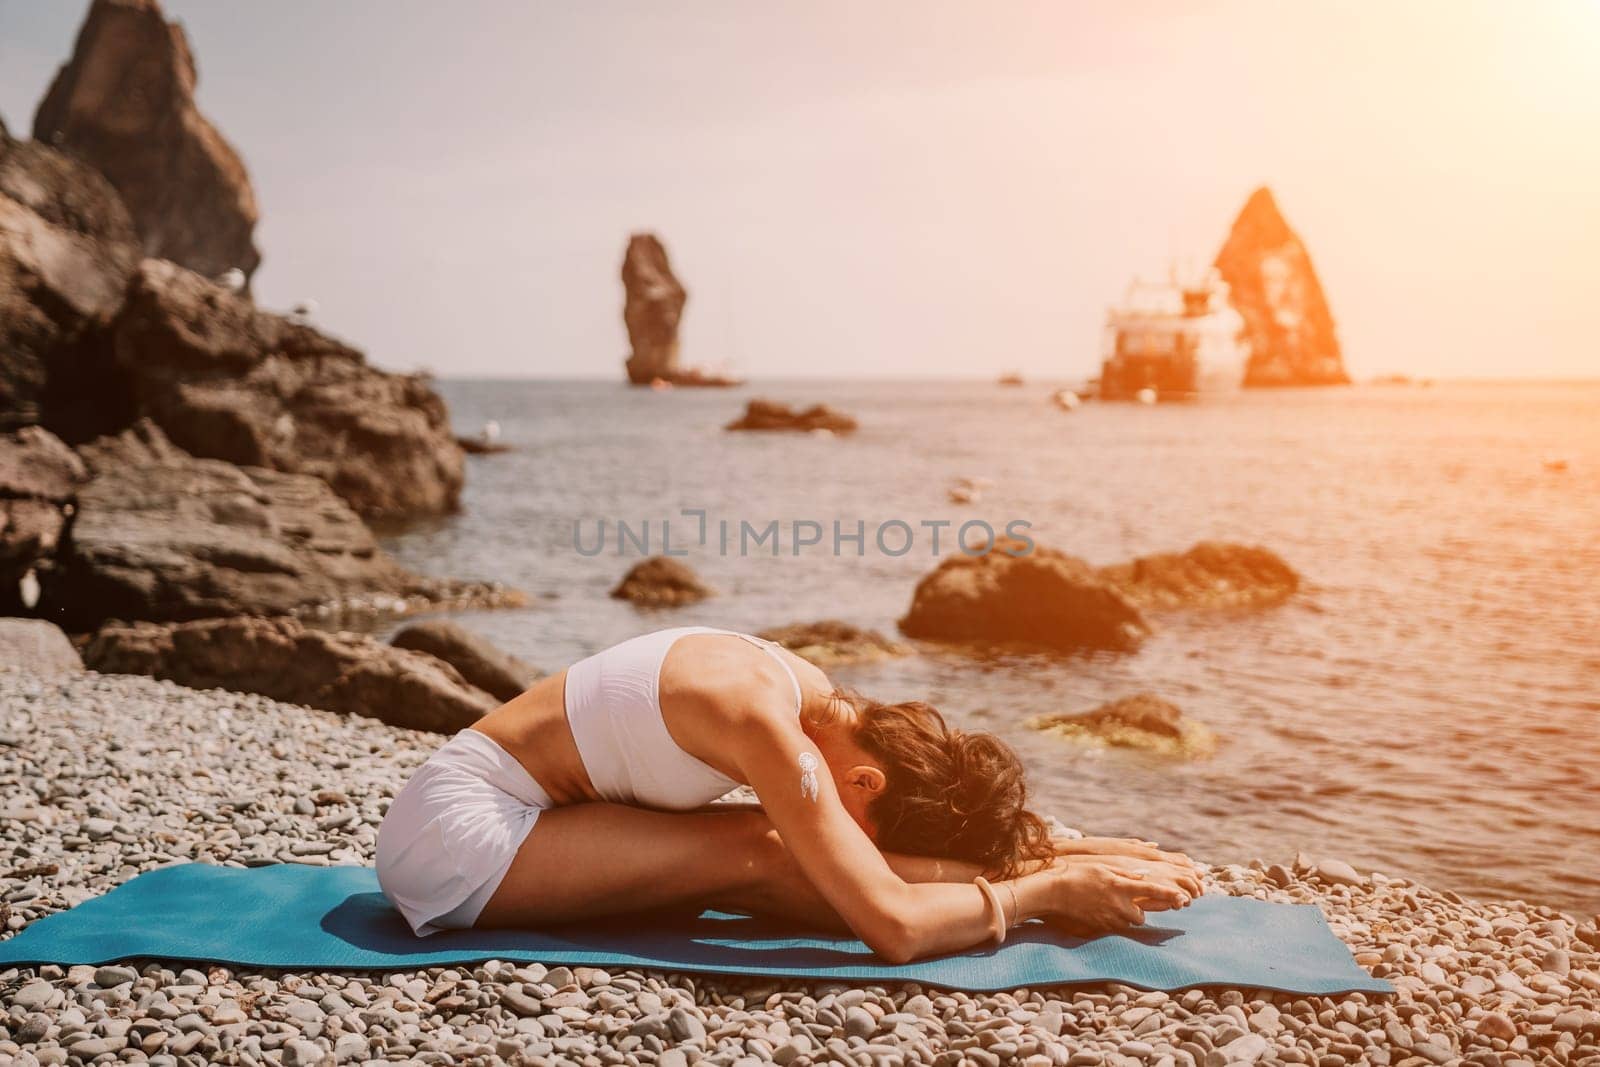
x=1428 y=705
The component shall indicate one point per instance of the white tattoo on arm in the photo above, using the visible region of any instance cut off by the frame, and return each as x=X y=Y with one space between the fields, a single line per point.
x=808 y=776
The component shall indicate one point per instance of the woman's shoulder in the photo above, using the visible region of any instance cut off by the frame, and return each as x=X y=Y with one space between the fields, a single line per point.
x=734 y=678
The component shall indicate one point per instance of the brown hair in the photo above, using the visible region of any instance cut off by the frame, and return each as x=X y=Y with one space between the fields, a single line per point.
x=949 y=793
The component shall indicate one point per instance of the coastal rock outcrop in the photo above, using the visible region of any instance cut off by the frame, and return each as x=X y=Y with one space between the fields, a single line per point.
x=172 y=537
x=281 y=658
x=124 y=104
x=653 y=301
x=38 y=647
x=1013 y=596
x=39 y=477
x=771 y=415
x=830 y=642
x=653 y=305
x=661 y=582
x=1142 y=721
x=1212 y=574
x=227 y=381
x=67 y=249
x=1273 y=286
x=497 y=673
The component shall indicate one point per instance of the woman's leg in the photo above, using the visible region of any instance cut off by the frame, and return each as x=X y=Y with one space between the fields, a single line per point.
x=591 y=860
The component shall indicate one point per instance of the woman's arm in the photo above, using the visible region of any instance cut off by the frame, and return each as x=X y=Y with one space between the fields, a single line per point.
x=903 y=920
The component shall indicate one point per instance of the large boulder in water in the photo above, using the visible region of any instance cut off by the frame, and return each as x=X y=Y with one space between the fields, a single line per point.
x=281 y=658
x=161 y=535
x=227 y=381
x=39 y=478
x=770 y=415
x=1212 y=574
x=1023 y=594
x=661 y=581
x=497 y=673
x=1273 y=286
x=124 y=104
x=67 y=249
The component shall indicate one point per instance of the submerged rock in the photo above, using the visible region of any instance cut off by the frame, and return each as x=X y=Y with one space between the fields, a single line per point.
x=227 y=381
x=831 y=642
x=281 y=658
x=37 y=646
x=771 y=415
x=1142 y=721
x=67 y=249
x=39 y=477
x=661 y=582
x=124 y=104
x=1045 y=598
x=497 y=673
x=171 y=537
x=1212 y=574
x=1273 y=286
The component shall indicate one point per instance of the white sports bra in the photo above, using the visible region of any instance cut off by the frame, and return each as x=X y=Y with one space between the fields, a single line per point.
x=613 y=705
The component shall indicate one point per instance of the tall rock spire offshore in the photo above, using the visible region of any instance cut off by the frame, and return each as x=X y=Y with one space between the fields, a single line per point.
x=1273 y=286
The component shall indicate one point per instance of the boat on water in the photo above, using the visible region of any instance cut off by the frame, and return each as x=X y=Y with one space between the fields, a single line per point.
x=1172 y=340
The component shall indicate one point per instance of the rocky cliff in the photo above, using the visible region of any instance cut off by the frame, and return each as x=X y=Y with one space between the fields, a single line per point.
x=1274 y=287
x=67 y=249
x=226 y=380
x=124 y=104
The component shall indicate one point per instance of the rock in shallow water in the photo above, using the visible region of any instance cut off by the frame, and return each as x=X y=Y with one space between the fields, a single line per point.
x=831 y=642
x=1212 y=575
x=661 y=582
x=1142 y=721
x=1020 y=593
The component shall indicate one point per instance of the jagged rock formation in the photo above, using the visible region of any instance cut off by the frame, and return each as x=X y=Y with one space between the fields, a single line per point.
x=348 y=673
x=67 y=249
x=39 y=477
x=771 y=415
x=1273 y=286
x=1212 y=574
x=497 y=673
x=161 y=535
x=1044 y=598
x=227 y=381
x=661 y=582
x=831 y=642
x=124 y=104
x=654 y=300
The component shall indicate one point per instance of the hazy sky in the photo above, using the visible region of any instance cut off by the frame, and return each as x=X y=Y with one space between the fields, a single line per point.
x=889 y=189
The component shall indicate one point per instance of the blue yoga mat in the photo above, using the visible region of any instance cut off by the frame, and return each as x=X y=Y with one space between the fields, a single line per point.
x=334 y=918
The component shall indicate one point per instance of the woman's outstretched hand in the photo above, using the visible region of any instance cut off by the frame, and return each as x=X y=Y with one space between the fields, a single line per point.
x=1118 y=846
x=1092 y=895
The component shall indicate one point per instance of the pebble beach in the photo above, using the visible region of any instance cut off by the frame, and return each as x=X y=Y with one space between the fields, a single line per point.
x=105 y=776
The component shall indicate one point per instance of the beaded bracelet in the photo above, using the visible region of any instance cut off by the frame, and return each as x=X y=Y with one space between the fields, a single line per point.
x=999 y=910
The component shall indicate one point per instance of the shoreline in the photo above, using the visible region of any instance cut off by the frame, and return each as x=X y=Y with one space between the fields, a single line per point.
x=103 y=776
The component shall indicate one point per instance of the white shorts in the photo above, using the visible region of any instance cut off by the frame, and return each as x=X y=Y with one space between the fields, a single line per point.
x=449 y=838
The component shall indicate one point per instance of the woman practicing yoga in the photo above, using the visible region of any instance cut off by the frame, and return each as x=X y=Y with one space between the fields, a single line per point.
x=586 y=796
